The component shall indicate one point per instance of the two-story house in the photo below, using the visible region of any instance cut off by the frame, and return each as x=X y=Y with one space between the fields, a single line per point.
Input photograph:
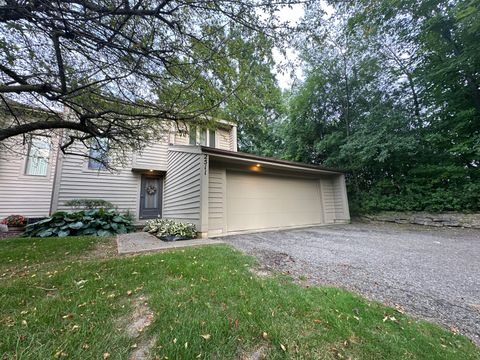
x=197 y=177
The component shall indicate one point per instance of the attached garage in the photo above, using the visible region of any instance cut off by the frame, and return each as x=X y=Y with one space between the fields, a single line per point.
x=252 y=193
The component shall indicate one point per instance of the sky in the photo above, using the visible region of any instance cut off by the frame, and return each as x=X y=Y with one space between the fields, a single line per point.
x=293 y=15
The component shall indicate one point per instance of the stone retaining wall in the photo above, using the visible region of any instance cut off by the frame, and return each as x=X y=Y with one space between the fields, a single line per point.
x=428 y=219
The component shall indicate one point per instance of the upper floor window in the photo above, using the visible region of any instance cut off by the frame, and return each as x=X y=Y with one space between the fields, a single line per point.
x=38 y=156
x=98 y=154
x=201 y=136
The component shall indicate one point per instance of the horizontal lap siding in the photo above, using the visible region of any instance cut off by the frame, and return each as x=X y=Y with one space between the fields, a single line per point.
x=223 y=141
x=333 y=197
x=181 y=199
x=77 y=181
x=181 y=139
x=328 y=199
x=153 y=157
x=341 y=204
x=216 y=200
x=23 y=194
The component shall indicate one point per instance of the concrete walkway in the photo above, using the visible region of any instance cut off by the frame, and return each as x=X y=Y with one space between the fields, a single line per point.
x=140 y=242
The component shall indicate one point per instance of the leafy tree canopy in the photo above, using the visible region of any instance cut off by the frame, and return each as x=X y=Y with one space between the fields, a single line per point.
x=392 y=95
x=120 y=67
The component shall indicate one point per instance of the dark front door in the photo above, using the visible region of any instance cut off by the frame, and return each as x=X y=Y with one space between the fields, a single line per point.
x=151 y=197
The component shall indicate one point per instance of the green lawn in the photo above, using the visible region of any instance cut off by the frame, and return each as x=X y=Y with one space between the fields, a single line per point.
x=65 y=298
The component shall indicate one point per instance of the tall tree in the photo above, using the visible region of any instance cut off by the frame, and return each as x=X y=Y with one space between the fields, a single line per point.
x=122 y=66
x=390 y=96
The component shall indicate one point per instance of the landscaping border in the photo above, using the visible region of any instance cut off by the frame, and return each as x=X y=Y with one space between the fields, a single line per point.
x=428 y=219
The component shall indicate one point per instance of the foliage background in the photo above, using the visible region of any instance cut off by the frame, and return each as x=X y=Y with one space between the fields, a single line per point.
x=391 y=95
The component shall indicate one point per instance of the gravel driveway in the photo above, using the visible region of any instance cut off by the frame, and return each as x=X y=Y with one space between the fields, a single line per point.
x=431 y=273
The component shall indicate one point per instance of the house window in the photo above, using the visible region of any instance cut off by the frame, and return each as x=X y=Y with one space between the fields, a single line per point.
x=211 y=138
x=193 y=135
x=38 y=156
x=98 y=155
x=205 y=137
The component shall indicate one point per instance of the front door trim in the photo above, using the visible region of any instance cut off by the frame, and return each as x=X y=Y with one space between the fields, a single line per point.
x=153 y=213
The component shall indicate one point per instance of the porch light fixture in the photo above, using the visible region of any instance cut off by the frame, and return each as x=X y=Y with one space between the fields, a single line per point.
x=151 y=170
x=258 y=165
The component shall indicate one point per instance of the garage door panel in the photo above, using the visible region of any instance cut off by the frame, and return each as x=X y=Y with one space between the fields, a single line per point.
x=256 y=201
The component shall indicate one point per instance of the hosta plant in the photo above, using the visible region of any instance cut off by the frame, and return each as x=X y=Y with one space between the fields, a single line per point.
x=167 y=229
x=94 y=222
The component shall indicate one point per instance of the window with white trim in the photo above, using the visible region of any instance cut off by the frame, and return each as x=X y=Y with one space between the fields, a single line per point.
x=98 y=154
x=38 y=156
x=201 y=136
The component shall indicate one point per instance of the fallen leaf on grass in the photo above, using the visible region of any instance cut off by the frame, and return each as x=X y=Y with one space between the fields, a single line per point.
x=80 y=282
x=206 y=336
x=454 y=329
x=264 y=335
x=283 y=347
x=60 y=354
x=391 y=318
x=106 y=355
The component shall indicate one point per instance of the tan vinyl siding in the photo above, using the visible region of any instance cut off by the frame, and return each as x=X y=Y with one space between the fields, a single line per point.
x=334 y=199
x=77 y=181
x=216 y=201
x=340 y=199
x=153 y=157
x=25 y=194
x=328 y=200
x=223 y=139
x=182 y=187
x=180 y=139
x=233 y=139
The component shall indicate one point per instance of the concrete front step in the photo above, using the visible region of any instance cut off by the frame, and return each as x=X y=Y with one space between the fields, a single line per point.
x=140 y=242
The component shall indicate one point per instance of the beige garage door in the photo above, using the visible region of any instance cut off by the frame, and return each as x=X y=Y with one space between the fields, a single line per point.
x=256 y=201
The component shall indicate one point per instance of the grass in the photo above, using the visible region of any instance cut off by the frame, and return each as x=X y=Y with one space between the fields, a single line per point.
x=59 y=300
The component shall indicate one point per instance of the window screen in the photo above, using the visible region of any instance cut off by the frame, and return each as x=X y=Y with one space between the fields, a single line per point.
x=203 y=137
x=38 y=155
x=193 y=135
x=211 y=140
x=98 y=154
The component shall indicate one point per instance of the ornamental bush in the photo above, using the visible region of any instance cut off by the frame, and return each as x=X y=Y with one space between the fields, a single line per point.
x=15 y=221
x=170 y=229
x=89 y=204
x=93 y=222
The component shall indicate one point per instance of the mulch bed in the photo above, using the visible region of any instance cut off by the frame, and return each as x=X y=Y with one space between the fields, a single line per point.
x=9 y=234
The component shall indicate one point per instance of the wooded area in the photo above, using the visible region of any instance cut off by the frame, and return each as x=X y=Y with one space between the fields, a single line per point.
x=391 y=95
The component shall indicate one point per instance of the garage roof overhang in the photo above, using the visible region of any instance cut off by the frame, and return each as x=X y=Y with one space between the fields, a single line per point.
x=233 y=157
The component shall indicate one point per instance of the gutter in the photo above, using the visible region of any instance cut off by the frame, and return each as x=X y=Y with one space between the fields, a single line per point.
x=245 y=156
